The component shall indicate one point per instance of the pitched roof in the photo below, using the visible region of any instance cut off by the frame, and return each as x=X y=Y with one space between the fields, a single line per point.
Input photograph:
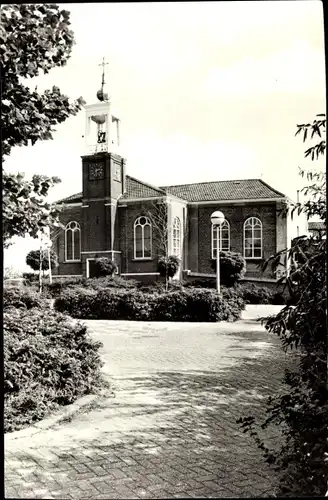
x=245 y=189
x=74 y=198
x=134 y=189
x=140 y=189
x=317 y=226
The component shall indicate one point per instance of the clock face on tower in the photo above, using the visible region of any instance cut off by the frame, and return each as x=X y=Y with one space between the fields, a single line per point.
x=96 y=171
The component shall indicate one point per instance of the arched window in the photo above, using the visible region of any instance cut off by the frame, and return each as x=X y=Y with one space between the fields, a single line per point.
x=142 y=238
x=72 y=241
x=253 y=238
x=224 y=238
x=176 y=236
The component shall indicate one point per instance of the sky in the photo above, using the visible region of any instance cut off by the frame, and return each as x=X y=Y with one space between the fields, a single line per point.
x=205 y=91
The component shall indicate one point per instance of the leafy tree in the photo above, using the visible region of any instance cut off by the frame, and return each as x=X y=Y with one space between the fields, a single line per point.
x=302 y=409
x=232 y=268
x=33 y=260
x=33 y=39
x=103 y=267
x=25 y=210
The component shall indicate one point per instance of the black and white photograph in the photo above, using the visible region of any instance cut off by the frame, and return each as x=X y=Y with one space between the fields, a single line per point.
x=164 y=249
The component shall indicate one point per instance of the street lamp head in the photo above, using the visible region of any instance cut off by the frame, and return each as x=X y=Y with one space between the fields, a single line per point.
x=217 y=218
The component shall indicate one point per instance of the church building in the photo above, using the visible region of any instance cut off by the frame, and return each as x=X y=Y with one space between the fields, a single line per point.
x=116 y=216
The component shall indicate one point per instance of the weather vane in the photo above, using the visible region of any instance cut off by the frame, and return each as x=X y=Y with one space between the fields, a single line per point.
x=101 y=95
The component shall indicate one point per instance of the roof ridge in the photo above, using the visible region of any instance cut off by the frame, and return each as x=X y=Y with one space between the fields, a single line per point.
x=210 y=182
x=156 y=188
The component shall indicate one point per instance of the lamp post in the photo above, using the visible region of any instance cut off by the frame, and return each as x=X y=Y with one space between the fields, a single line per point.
x=217 y=218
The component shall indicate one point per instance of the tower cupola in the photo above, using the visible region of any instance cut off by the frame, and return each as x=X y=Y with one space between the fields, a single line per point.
x=102 y=127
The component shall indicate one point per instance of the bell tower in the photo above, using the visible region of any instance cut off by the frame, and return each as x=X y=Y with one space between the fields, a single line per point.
x=103 y=179
x=102 y=128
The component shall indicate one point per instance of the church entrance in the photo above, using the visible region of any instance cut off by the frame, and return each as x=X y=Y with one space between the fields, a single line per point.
x=91 y=268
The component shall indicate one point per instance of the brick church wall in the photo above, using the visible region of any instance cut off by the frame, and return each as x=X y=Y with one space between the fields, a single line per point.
x=70 y=213
x=200 y=234
x=127 y=214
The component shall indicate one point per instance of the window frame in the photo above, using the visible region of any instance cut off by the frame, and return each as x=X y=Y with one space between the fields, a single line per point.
x=176 y=246
x=259 y=224
x=213 y=237
x=77 y=229
x=137 y=224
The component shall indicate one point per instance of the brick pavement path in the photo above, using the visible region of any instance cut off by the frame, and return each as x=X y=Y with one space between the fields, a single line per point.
x=171 y=430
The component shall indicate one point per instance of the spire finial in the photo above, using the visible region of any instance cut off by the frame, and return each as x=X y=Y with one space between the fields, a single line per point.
x=101 y=95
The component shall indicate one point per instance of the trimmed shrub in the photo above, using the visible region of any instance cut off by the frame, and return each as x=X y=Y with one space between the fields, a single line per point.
x=204 y=283
x=160 y=287
x=232 y=267
x=103 y=267
x=31 y=277
x=168 y=266
x=78 y=302
x=254 y=294
x=33 y=259
x=48 y=361
x=110 y=282
x=115 y=282
x=176 y=305
x=57 y=286
x=23 y=298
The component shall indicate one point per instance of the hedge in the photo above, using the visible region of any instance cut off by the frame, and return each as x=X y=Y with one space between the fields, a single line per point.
x=58 y=286
x=176 y=305
x=254 y=294
x=48 y=361
x=25 y=298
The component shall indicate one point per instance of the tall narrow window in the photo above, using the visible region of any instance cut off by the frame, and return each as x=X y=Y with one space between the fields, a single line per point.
x=224 y=238
x=253 y=238
x=72 y=241
x=176 y=236
x=142 y=238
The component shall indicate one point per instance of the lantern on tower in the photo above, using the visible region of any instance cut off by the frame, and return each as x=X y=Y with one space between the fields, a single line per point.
x=101 y=126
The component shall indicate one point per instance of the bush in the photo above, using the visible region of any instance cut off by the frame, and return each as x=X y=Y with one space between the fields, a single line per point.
x=58 y=285
x=23 y=298
x=114 y=282
x=168 y=266
x=103 y=267
x=175 y=305
x=204 y=283
x=160 y=287
x=110 y=282
x=232 y=268
x=33 y=259
x=78 y=302
x=31 y=277
x=254 y=294
x=48 y=362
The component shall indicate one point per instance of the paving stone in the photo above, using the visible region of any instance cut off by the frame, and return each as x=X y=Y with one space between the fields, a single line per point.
x=171 y=430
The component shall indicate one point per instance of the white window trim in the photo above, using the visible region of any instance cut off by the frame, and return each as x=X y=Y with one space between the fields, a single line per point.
x=176 y=249
x=213 y=231
x=244 y=239
x=136 y=223
x=78 y=228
